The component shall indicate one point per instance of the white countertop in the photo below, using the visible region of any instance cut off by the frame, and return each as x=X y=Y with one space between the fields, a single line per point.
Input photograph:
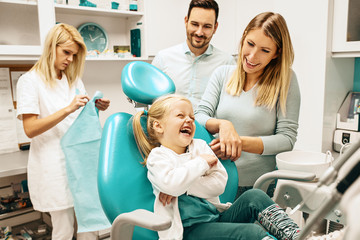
x=13 y=163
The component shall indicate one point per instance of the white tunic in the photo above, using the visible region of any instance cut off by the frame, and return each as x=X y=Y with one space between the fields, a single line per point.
x=176 y=174
x=47 y=180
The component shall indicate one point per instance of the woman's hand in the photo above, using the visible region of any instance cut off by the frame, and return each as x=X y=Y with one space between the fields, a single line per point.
x=78 y=101
x=165 y=199
x=102 y=104
x=229 y=144
x=210 y=159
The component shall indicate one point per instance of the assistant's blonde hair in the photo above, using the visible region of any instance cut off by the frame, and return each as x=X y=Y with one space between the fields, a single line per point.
x=275 y=80
x=61 y=35
x=158 y=111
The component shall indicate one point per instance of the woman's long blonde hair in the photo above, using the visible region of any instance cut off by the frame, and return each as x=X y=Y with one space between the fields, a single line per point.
x=60 y=35
x=275 y=80
x=146 y=141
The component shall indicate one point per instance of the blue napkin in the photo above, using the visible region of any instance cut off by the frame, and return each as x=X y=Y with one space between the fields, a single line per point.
x=81 y=145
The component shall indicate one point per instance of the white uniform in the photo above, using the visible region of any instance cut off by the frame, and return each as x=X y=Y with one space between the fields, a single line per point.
x=176 y=174
x=47 y=180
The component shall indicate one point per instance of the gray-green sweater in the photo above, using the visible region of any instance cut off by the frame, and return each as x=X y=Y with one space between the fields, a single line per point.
x=278 y=132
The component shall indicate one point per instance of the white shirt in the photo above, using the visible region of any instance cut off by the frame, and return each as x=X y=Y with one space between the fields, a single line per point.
x=176 y=174
x=47 y=180
x=190 y=73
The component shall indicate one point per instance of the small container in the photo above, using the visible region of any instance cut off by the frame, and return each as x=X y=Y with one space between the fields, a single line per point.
x=114 y=5
x=133 y=6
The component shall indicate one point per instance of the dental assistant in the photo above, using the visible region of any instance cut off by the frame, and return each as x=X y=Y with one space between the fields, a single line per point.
x=254 y=106
x=49 y=98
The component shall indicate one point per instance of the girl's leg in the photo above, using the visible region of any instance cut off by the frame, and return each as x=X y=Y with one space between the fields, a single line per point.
x=63 y=224
x=247 y=207
x=225 y=231
x=278 y=223
x=254 y=205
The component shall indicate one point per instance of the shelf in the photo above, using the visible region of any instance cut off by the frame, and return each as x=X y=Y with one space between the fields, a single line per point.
x=16 y=213
x=19 y=2
x=345 y=54
x=19 y=52
x=116 y=59
x=70 y=9
x=13 y=163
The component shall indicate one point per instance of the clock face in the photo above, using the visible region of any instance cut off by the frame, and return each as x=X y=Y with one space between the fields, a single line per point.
x=94 y=36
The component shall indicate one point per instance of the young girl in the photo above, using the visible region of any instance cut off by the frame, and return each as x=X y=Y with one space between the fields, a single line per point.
x=187 y=179
x=49 y=97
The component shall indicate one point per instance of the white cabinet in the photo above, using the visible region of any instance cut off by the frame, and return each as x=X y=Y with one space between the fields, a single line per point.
x=24 y=26
x=20 y=34
x=117 y=24
x=346 y=33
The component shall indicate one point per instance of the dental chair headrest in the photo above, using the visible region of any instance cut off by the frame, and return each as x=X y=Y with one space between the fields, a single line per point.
x=143 y=82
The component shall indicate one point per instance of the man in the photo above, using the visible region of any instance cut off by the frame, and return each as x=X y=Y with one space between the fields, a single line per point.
x=190 y=64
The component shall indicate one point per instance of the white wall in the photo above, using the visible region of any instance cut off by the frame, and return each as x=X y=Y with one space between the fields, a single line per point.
x=324 y=81
x=109 y=84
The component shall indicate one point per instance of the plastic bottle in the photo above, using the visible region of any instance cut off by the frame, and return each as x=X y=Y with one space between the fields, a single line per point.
x=133 y=6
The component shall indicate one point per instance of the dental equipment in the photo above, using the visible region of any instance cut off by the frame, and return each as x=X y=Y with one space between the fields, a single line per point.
x=330 y=174
x=334 y=199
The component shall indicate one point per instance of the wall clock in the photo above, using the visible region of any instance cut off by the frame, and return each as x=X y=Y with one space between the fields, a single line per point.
x=95 y=37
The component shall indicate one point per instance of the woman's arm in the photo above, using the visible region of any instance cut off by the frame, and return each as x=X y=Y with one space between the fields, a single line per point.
x=34 y=126
x=287 y=125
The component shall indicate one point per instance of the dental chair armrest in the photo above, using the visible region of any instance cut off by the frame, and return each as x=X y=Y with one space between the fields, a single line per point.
x=264 y=180
x=123 y=225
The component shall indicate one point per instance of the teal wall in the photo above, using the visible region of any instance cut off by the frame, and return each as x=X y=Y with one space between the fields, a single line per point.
x=357 y=75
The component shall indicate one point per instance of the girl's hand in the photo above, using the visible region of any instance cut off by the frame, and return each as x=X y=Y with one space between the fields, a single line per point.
x=165 y=199
x=210 y=159
x=228 y=145
x=102 y=104
x=78 y=101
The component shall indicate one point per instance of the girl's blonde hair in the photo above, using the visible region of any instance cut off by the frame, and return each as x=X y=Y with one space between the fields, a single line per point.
x=146 y=141
x=275 y=80
x=61 y=35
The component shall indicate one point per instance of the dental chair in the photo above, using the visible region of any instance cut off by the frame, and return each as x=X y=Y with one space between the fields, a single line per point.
x=125 y=193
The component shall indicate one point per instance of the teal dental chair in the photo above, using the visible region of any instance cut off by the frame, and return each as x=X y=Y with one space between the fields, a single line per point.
x=125 y=193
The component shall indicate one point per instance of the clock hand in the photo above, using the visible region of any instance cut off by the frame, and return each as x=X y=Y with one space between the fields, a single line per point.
x=96 y=37
x=91 y=39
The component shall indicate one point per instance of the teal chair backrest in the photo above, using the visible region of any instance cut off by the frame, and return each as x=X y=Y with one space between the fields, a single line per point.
x=122 y=179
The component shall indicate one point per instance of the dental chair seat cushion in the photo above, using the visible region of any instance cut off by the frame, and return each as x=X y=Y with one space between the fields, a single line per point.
x=122 y=179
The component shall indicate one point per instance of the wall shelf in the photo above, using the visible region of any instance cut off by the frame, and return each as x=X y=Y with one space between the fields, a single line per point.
x=79 y=10
x=19 y=2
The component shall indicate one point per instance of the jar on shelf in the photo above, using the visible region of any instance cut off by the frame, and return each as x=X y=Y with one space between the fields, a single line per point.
x=133 y=6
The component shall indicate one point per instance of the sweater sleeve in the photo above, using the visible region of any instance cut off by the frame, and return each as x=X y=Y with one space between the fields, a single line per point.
x=211 y=97
x=213 y=182
x=286 y=125
x=173 y=179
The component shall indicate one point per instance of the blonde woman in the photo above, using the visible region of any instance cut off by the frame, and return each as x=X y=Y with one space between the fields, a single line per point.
x=49 y=98
x=254 y=106
x=187 y=179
